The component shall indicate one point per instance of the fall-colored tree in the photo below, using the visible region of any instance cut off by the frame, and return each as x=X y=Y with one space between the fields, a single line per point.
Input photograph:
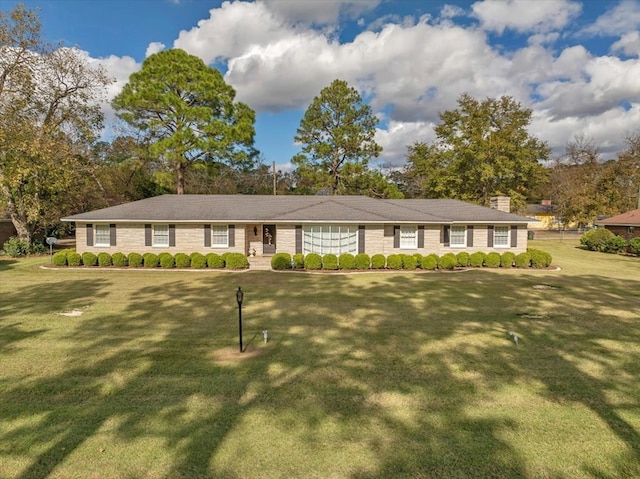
x=49 y=116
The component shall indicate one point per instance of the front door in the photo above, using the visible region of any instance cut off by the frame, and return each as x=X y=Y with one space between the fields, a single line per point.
x=269 y=239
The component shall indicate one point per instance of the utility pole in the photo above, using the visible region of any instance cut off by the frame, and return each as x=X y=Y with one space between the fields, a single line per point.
x=274 y=179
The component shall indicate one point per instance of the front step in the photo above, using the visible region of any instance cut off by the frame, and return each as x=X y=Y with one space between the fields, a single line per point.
x=260 y=263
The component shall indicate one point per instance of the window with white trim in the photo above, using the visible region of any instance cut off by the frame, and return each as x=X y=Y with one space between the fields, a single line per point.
x=219 y=236
x=501 y=236
x=458 y=236
x=408 y=237
x=103 y=235
x=160 y=235
x=324 y=239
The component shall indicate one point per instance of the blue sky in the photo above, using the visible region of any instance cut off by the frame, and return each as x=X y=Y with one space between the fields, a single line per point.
x=575 y=64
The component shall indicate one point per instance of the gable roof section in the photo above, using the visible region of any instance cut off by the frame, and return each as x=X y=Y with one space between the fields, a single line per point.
x=294 y=209
x=630 y=218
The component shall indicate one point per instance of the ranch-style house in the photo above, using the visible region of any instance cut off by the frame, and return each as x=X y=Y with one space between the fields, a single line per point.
x=263 y=225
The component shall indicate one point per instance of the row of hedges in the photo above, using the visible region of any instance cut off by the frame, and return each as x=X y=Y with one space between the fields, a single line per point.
x=69 y=257
x=606 y=241
x=533 y=258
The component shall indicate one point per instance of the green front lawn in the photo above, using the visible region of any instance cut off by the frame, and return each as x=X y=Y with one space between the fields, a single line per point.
x=364 y=376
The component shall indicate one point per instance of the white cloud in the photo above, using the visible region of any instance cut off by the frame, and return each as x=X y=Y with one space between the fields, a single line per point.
x=525 y=15
x=607 y=83
x=629 y=44
x=451 y=11
x=119 y=68
x=319 y=12
x=412 y=69
x=233 y=29
x=607 y=129
x=398 y=136
x=624 y=18
x=154 y=47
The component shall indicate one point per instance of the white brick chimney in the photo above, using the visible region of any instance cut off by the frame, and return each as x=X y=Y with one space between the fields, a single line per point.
x=500 y=203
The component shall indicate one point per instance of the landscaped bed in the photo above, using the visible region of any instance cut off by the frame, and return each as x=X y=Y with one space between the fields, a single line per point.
x=363 y=376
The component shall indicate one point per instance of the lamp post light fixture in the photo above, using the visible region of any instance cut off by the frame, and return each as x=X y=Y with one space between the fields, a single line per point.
x=239 y=298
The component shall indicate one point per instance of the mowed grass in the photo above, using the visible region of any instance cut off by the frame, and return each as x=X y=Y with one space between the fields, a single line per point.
x=364 y=376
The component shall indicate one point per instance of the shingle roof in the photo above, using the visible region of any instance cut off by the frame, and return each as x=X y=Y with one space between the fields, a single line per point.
x=299 y=209
x=630 y=218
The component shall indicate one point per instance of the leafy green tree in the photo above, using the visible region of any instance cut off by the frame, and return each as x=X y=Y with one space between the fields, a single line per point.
x=483 y=149
x=187 y=113
x=124 y=171
x=574 y=177
x=337 y=131
x=49 y=116
x=623 y=176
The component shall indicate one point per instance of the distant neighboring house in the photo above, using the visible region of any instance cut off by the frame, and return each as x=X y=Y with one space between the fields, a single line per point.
x=545 y=213
x=7 y=230
x=298 y=224
x=626 y=224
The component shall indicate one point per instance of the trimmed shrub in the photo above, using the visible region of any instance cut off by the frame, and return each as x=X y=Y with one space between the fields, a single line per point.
x=493 y=260
x=119 y=260
x=330 y=262
x=596 y=240
x=363 y=261
x=409 y=262
x=224 y=256
x=346 y=261
x=236 y=261
x=539 y=258
x=59 y=258
x=298 y=261
x=167 y=261
x=447 y=261
x=104 y=259
x=394 y=261
x=633 y=246
x=150 y=260
x=281 y=261
x=523 y=260
x=313 y=261
x=430 y=262
x=89 y=259
x=378 y=261
x=198 y=261
x=16 y=247
x=214 y=260
x=74 y=259
x=617 y=244
x=418 y=258
x=135 y=260
x=182 y=260
x=507 y=260
x=462 y=259
x=476 y=260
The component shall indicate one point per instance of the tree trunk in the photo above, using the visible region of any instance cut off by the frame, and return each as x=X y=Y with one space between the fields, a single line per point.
x=180 y=182
x=20 y=222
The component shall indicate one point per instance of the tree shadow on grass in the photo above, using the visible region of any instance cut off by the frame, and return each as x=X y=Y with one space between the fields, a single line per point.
x=385 y=359
x=6 y=264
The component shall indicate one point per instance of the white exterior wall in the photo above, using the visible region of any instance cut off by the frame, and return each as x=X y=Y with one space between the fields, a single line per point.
x=378 y=239
x=130 y=238
x=286 y=239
